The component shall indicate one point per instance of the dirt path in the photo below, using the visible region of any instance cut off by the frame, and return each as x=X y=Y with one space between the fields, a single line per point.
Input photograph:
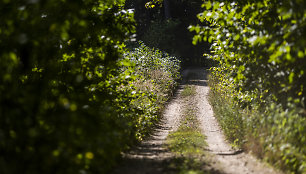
x=225 y=157
x=151 y=156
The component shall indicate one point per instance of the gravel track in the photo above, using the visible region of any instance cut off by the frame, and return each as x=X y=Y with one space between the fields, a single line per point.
x=227 y=159
x=151 y=156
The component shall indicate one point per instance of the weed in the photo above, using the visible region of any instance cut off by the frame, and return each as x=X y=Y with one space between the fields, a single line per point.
x=189 y=90
x=188 y=143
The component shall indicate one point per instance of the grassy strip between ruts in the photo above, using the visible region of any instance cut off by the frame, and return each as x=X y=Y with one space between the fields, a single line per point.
x=187 y=142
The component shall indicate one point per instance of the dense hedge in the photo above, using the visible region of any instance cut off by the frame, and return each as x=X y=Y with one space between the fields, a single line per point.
x=259 y=50
x=68 y=97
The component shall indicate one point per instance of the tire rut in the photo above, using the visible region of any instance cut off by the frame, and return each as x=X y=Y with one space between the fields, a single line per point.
x=226 y=158
x=152 y=157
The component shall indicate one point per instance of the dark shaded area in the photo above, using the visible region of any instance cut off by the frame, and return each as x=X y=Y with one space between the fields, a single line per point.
x=230 y=153
x=172 y=165
x=167 y=29
x=50 y=120
x=142 y=159
x=192 y=78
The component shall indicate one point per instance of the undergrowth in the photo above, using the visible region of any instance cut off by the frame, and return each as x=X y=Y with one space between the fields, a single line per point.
x=188 y=91
x=271 y=132
x=258 y=80
x=156 y=75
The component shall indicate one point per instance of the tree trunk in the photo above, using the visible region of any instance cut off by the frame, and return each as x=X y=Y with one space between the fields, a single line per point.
x=167 y=9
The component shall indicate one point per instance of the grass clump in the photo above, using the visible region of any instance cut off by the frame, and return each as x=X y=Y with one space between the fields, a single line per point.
x=187 y=142
x=189 y=90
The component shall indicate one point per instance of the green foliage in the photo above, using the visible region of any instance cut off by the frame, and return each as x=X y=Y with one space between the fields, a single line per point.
x=273 y=133
x=68 y=103
x=158 y=67
x=186 y=142
x=261 y=44
x=259 y=50
x=227 y=113
x=284 y=141
x=61 y=109
x=155 y=75
x=155 y=78
x=188 y=91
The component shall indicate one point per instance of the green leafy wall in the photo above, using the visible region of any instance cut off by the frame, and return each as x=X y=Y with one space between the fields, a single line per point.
x=258 y=48
x=68 y=96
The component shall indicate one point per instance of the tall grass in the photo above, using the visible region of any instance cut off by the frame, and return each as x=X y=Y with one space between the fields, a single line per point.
x=270 y=132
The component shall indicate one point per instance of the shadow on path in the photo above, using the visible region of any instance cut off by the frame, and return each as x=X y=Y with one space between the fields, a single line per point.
x=152 y=156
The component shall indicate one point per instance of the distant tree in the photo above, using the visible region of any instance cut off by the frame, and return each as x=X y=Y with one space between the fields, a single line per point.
x=167 y=9
x=165 y=26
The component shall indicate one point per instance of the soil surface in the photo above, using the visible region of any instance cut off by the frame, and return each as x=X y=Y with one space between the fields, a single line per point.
x=152 y=156
x=227 y=159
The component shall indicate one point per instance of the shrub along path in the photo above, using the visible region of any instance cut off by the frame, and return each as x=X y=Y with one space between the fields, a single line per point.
x=228 y=160
x=154 y=154
x=151 y=156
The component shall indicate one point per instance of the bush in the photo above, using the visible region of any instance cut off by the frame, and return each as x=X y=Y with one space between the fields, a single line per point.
x=155 y=77
x=158 y=67
x=259 y=50
x=272 y=133
x=59 y=109
x=68 y=105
